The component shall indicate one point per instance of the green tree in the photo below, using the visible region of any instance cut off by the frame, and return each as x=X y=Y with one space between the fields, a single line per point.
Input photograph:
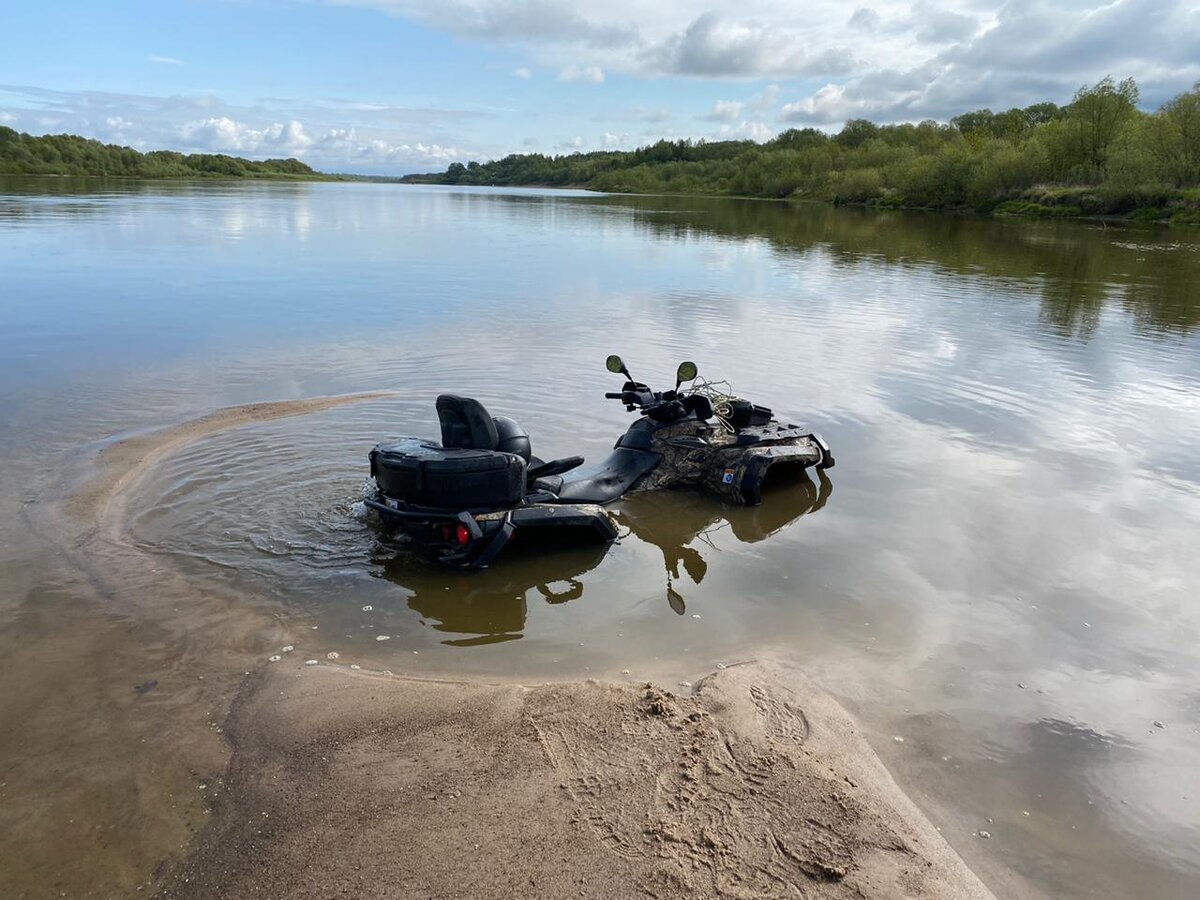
x=1094 y=119
x=976 y=120
x=857 y=132
x=1131 y=162
x=800 y=138
x=1182 y=118
x=1041 y=113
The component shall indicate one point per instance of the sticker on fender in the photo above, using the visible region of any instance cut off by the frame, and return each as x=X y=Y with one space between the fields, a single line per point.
x=727 y=478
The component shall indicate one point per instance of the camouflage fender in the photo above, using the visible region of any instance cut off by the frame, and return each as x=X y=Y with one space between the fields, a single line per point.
x=732 y=465
x=740 y=478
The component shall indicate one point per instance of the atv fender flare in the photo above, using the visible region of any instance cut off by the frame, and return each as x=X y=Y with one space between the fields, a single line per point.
x=742 y=482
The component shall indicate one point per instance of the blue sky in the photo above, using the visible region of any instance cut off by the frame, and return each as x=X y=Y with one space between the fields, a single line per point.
x=392 y=86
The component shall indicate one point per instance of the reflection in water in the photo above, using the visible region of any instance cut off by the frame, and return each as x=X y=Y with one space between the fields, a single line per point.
x=489 y=606
x=675 y=521
x=1077 y=269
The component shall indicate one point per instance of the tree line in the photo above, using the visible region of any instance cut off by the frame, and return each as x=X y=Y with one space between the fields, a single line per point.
x=1098 y=155
x=69 y=154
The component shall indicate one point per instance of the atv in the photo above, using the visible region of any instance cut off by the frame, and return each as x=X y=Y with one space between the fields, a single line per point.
x=465 y=499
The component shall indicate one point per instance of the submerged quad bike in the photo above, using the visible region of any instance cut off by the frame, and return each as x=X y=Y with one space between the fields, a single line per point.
x=466 y=499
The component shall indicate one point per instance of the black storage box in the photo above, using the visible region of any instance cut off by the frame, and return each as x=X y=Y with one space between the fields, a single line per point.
x=746 y=414
x=421 y=473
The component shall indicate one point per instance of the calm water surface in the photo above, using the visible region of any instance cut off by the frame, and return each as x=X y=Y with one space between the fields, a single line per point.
x=1000 y=576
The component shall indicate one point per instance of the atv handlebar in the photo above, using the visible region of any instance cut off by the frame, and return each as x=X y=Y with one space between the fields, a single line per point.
x=658 y=406
x=661 y=406
x=636 y=399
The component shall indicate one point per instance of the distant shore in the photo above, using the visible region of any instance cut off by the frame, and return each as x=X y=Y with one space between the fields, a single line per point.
x=1078 y=204
x=1098 y=156
x=1046 y=203
x=208 y=177
x=72 y=155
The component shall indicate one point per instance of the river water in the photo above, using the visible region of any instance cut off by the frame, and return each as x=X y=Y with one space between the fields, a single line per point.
x=999 y=577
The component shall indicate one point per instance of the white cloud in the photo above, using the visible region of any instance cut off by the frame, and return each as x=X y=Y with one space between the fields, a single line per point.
x=430 y=153
x=574 y=145
x=745 y=118
x=522 y=72
x=351 y=105
x=949 y=55
x=700 y=37
x=746 y=131
x=642 y=114
x=6 y=117
x=714 y=45
x=226 y=135
x=939 y=25
x=165 y=60
x=758 y=131
x=346 y=143
x=590 y=74
x=726 y=110
x=612 y=141
x=1030 y=51
x=766 y=100
x=223 y=134
x=825 y=105
x=864 y=19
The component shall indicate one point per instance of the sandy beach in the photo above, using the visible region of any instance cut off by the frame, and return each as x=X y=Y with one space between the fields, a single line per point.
x=757 y=784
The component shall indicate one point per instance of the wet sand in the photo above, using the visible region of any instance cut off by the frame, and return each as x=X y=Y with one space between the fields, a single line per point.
x=102 y=758
x=367 y=785
x=101 y=500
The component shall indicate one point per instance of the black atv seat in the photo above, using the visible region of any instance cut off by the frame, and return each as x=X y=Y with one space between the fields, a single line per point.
x=467 y=425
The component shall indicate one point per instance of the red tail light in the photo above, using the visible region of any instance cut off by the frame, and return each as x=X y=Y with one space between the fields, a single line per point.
x=462 y=534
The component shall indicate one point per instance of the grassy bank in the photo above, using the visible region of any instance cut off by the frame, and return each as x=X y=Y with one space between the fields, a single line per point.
x=1141 y=204
x=1100 y=155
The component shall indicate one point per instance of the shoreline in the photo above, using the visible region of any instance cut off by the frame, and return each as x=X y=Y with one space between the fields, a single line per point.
x=101 y=176
x=1034 y=211
x=1017 y=208
x=758 y=784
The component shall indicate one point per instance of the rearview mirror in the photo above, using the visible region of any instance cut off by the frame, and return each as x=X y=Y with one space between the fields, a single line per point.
x=685 y=372
x=614 y=364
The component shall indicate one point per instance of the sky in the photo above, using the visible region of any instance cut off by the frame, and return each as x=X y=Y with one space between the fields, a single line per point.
x=397 y=86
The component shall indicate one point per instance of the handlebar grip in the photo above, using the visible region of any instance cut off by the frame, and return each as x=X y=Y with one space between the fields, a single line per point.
x=612 y=396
